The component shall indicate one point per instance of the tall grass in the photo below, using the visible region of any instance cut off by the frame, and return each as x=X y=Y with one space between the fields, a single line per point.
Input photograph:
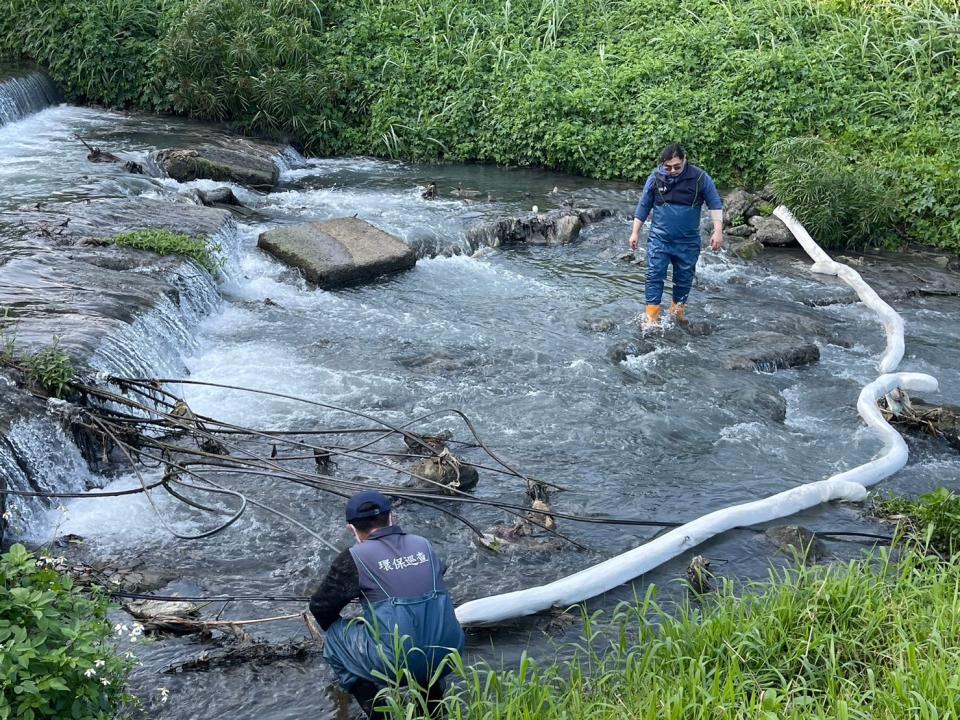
x=878 y=639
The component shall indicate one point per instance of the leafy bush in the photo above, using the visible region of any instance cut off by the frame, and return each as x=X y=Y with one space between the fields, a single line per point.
x=842 y=203
x=164 y=242
x=55 y=656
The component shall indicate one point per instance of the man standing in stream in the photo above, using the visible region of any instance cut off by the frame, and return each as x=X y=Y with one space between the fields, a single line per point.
x=675 y=191
x=408 y=622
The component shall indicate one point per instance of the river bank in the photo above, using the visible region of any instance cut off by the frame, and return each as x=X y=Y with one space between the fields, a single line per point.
x=519 y=336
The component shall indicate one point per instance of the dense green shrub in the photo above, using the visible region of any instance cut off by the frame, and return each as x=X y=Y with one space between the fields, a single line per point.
x=841 y=202
x=589 y=86
x=164 y=242
x=50 y=368
x=56 y=660
x=932 y=518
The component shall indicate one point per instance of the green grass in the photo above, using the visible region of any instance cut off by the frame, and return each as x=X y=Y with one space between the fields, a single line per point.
x=594 y=87
x=164 y=242
x=932 y=519
x=876 y=640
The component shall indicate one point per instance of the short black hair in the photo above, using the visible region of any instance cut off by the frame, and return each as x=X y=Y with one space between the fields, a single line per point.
x=671 y=151
x=371 y=523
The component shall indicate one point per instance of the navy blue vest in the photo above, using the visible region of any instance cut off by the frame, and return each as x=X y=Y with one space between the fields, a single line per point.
x=676 y=207
x=392 y=564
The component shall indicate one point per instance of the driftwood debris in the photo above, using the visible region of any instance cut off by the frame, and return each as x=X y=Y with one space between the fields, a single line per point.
x=245 y=652
x=96 y=155
x=942 y=421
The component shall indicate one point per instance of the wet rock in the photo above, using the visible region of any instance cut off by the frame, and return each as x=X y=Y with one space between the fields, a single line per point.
x=551 y=228
x=598 y=325
x=796 y=540
x=770 y=351
x=445 y=473
x=745 y=248
x=757 y=401
x=630 y=348
x=86 y=294
x=240 y=160
x=338 y=253
x=218 y=196
x=260 y=652
x=740 y=231
x=771 y=231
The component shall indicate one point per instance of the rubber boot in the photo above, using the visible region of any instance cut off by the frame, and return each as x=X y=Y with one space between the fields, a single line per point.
x=651 y=317
x=676 y=311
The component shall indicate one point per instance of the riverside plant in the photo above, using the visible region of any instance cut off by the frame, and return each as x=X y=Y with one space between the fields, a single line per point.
x=873 y=639
x=932 y=519
x=164 y=242
x=587 y=86
x=56 y=655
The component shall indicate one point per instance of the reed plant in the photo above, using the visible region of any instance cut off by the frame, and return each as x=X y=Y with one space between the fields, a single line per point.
x=876 y=639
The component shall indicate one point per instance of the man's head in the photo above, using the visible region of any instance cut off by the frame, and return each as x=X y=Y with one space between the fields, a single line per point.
x=673 y=158
x=367 y=511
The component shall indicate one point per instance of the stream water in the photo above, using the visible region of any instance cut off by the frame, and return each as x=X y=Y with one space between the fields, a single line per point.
x=509 y=336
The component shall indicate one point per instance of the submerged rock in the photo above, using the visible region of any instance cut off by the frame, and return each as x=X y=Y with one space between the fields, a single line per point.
x=771 y=351
x=797 y=540
x=338 y=253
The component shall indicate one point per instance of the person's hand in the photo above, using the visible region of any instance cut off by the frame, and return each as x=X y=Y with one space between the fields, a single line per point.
x=716 y=240
x=633 y=242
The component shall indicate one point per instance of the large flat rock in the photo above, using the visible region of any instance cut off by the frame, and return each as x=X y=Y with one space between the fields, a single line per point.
x=338 y=253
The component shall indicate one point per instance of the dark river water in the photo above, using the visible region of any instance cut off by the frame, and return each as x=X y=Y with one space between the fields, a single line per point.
x=517 y=338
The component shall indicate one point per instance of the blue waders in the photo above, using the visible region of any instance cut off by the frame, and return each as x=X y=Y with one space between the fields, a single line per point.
x=395 y=632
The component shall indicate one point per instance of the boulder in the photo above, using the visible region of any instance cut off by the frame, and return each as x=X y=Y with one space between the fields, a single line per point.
x=555 y=227
x=740 y=206
x=239 y=160
x=740 y=231
x=772 y=232
x=218 y=196
x=338 y=253
x=770 y=351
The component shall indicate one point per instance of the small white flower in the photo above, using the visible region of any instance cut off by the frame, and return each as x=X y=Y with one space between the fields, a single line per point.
x=7 y=515
x=99 y=663
x=119 y=628
x=89 y=672
x=136 y=631
x=164 y=694
x=104 y=681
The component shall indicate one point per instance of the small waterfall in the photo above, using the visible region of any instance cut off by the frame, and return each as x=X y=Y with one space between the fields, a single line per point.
x=25 y=94
x=37 y=455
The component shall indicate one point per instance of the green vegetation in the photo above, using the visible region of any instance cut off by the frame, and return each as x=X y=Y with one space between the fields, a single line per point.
x=164 y=242
x=51 y=369
x=932 y=519
x=876 y=640
x=588 y=86
x=56 y=660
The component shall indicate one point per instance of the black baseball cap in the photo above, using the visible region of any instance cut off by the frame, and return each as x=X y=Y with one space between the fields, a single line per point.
x=367 y=504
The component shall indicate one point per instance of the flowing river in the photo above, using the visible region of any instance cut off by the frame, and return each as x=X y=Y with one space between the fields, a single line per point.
x=517 y=338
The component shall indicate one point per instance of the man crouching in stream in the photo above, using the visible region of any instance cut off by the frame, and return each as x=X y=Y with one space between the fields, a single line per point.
x=408 y=619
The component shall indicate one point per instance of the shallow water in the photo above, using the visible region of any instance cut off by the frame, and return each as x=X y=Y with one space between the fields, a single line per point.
x=503 y=335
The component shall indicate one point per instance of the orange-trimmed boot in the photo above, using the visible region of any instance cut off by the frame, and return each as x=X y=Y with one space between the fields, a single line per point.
x=651 y=317
x=676 y=311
